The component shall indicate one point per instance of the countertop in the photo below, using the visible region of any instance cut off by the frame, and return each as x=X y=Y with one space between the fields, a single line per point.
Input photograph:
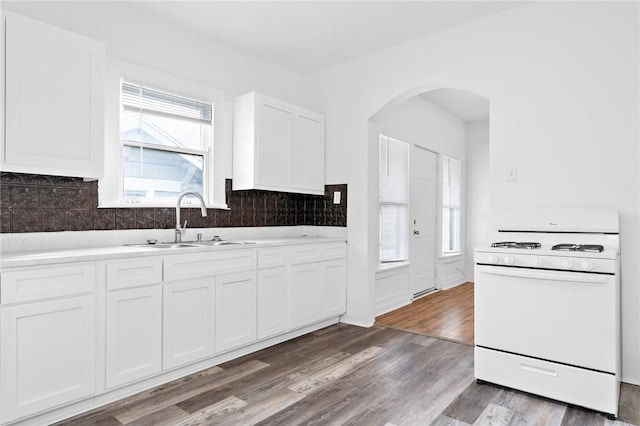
x=53 y=256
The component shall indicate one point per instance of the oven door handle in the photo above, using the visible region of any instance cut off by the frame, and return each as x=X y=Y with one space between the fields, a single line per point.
x=580 y=277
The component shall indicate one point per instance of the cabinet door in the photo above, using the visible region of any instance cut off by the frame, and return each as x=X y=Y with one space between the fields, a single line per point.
x=272 y=301
x=54 y=100
x=308 y=157
x=305 y=294
x=188 y=318
x=275 y=142
x=134 y=334
x=236 y=306
x=48 y=355
x=334 y=297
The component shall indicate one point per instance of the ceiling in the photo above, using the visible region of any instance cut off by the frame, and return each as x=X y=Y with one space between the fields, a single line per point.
x=465 y=105
x=310 y=35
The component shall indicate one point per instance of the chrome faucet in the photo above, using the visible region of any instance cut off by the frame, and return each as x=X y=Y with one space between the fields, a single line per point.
x=181 y=229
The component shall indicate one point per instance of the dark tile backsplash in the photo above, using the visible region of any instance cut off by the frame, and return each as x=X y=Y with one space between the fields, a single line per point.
x=37 y=203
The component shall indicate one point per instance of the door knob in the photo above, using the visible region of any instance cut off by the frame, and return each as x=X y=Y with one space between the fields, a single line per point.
x=416 y=232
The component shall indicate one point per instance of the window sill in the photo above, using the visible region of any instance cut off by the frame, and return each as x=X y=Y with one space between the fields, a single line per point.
x=391 y=266
x=453 y=257
x=158 y=206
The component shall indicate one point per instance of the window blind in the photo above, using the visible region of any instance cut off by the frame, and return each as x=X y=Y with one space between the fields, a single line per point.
x=450 y=205
x=394 y=199
x=152 y=101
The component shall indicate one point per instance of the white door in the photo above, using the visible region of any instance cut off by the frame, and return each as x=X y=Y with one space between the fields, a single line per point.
x=236 y=308
x=134 y=334
x=188 y=318
x=272 y=301
x=275 y=141
x=422 y=225
x=48 y=355
x=308 y=156
x=54 y=91
x=334 y=288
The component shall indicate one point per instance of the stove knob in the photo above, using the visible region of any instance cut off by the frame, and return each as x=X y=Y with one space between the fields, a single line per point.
x=586 y=265
x=536 y=261
x=492 y=258
x=567 y=263
x=509 y=260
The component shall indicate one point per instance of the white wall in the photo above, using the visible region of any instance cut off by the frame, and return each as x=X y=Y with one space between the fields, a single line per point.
x=420 y=122
x=479 y=230
x=562 y=78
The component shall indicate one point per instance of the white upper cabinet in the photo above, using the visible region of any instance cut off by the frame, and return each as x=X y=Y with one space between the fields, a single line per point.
x=54 y=115
x=277 y=146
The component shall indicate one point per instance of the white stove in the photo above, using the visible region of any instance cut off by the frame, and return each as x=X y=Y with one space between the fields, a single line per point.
x=547 y=306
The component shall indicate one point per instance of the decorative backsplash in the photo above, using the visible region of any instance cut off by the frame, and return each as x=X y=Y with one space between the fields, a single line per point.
x=39 y=203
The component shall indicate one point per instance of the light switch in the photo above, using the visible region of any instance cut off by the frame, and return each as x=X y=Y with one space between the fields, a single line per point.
x=336 y=197
x=512 y=174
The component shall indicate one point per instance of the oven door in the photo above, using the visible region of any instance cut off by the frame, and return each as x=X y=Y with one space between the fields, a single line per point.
x=565 y=317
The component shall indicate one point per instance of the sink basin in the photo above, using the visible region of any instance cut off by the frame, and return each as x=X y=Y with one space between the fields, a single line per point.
x=222 y=243
x=189 y=244
x=164 y=245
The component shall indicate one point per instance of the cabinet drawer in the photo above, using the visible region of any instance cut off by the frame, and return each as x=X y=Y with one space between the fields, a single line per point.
x=317 y=252
x=272 y=257
x=198 y=265
x=586 y=388
x=334 y=251
x=34 y=284
x=134 y=273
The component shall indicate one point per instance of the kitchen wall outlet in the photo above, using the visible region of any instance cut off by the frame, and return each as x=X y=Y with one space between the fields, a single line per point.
x=336 y=197
x=512 y=174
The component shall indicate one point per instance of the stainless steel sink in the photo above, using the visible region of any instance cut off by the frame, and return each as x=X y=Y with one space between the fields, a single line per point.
x=189 y=244
x=223 y=243
x=164 y=245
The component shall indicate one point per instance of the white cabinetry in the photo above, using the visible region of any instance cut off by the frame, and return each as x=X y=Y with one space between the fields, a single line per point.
x=47 y=345
x=153 y=318
x=235 y=310
x=317 y=283
x=273 y=278
x=53 y=100
x=134 y=334
x=305 y=293
x=277 y=146
x=188 y=321
x=133 y=320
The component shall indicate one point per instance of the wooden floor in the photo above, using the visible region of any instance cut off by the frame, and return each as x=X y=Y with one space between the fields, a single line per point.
x=347 y=375
x=446 y=314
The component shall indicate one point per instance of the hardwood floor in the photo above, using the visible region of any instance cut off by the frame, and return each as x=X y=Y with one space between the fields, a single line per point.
x=347 y=375
x=446 y=314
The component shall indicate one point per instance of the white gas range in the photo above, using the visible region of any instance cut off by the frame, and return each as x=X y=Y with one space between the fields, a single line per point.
x=547 y=306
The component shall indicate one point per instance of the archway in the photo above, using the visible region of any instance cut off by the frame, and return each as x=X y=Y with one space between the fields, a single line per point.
x=450 y=128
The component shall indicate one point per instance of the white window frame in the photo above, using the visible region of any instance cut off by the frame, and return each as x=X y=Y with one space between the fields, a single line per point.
x=384 y=263
x=217 y=161
x=453 y=206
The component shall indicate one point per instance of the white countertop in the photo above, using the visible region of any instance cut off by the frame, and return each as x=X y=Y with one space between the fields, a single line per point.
x=52 y=256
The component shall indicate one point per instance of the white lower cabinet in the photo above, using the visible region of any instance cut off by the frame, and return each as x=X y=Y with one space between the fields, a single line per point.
x=305 y=294
x=188 y=321
x=159 y=313
x=236 y=306
x=334 y=287
x=272 y=301
x=317 y=283
x=133 y=334
x=48 y=355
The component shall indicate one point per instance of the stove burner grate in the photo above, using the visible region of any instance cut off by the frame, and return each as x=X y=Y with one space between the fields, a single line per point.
x=518 y=245
x=579 y=247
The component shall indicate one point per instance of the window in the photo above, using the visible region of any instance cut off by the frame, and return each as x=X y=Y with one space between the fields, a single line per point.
x=450 y=206
x=394 y=199
x=166 y=141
